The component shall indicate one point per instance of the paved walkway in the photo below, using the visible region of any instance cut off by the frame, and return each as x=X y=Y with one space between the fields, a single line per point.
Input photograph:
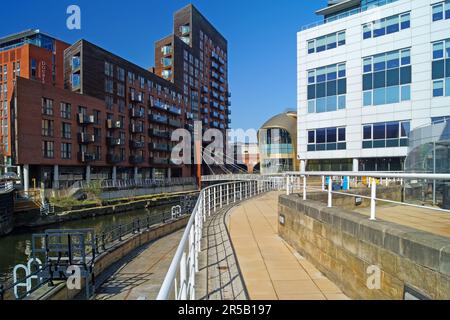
x=271 y=269
x=139 y=276
x=219 y=277
x=418 y=218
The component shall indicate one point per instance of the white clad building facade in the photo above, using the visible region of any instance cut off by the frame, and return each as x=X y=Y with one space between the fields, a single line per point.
x=369 y=74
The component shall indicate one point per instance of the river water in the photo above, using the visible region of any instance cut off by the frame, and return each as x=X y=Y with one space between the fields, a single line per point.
x=15 y=248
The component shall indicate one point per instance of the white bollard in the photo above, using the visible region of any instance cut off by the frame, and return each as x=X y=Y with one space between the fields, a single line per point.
x=373 y=196
x=330 y=195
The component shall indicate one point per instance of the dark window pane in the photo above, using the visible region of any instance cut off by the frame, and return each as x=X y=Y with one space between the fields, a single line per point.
x=393 y=77
x=331 y=88
x=311 y=147
x=438 y=71
x=406 y=24
x=392 y=130
x=379 y=32
x=367 y=34
x=342 y=86
x=438 y=16
x=379 y=79
x=405 y=75
x=341 y=134
x=320 y=90
x=311 y=92
x=321 y=48
x=392 y=28
x=379 y=131
x=311 y=135
x=331 y=45
x=320 y=135
x=331 y=135
x=367 y=131
x=367 y=81
x=447 y=68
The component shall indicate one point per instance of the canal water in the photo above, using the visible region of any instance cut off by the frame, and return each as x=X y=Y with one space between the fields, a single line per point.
x=16 y=247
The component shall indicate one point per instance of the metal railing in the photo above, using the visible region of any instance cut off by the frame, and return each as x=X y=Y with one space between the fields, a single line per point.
x=136 y=183
x=6 y=186
x=236 y=177
x=179 y=283
x=373 y=179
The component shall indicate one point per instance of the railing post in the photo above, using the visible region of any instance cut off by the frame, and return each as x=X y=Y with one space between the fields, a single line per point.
x=241 y=191
x=183 y=278
x=209 y=202
x=373 y=196
x=234 y=193
x=287 y=186
x=330 y=195
x=228 y=194
x=323 y=183
x=215 y=198
x=204 y=204
x=220 y=195
x=304 y=187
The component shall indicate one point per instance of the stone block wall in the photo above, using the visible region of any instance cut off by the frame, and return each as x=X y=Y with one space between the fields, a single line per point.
x=343 y=245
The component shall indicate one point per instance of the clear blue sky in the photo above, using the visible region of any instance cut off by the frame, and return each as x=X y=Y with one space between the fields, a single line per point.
x=261 y=35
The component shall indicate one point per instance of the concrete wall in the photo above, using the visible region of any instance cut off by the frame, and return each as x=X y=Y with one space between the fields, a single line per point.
x=343 y=244
x=111 y=256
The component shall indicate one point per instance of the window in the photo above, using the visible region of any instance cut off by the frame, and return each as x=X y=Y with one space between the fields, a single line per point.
x=441 y=11
x=47 y=107
x=66 y=151
x=440 y=69
x=120 y=74
x=66 y=110
x=386 y=78
x=386 y=26
x=327 y=42
x=109 y=69
x=386 y=134
x=33 y=69
x=327 y=88
x=66 y=130
x=327 y=139
x=47 y=128
x=109 y=86
x=48 y=149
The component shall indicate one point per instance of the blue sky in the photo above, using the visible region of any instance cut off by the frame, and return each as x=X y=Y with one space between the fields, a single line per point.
x=261 y=35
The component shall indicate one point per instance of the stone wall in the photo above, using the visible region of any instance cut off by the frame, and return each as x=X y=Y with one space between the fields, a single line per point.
x=344 y=244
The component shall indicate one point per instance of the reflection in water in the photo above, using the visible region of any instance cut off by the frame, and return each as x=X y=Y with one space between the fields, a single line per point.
x=16 y=247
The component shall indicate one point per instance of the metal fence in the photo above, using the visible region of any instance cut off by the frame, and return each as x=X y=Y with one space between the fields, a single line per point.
x=373 y=180
x=179 y=283
x=138 y=183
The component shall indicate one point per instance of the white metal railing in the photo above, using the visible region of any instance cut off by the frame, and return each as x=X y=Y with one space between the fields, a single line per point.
x=236 y=177
x=179 y=283
x=373 y=178
x=136 y=183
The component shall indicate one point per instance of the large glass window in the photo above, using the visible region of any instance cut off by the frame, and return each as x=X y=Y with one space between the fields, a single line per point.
x=441 y=11
x=440 y=68
x=386 y=134
x=386 y=78
x=327 y=88
x=327 y=139
x=387 y=25
x=327 y=42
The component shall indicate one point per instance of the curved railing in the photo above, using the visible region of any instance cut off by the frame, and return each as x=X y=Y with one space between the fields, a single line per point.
x=179 y=283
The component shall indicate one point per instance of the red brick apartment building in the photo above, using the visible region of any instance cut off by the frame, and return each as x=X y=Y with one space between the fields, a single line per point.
x=86 y=114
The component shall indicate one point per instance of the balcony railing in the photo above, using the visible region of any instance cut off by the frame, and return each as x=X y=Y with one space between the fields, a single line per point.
x=114 y=142
x=85 y=119
x=175 y=123
x=86 y=157
x=159 y=161
x=113 y=158
x=114 y=124
x=158 y=133
x=159 y=147
x=137 y=113
x=136 y=159
x=85 y=138
x=137 y=128
x=136 y=97
x=137 y=144
x=158 y=118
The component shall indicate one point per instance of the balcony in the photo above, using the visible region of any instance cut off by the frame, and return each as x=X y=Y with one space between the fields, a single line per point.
x=214 y=114
x=205 y=100
x=222 y=107
x=137 y=128
x=229 y=94
x=159 y=161
x=174 y=110
x=215 y=65
x=113 y=158
x=114 y=142
x=204 y=110
x=86 y=157
x=85 y=138
x=205 y=89
x=214 y=124
x=229 y=121
x=137 y=144
x=159 y=147
x=158 y=133
x=229 y=103
x=214 y=104
x=229 y=112
x=158 y=118
x=185 y=30
x=222 y=80
x=136 y=97
x=136 y=159
x=189 y=127
x=222 y=70
x=175 y=123
x=76 y=63
x=114 y=124
x=137 y=113
x=166 y=50
x=84 y=119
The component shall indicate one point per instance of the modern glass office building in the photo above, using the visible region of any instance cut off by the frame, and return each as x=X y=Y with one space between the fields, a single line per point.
x=368 y=73
x=277 y=144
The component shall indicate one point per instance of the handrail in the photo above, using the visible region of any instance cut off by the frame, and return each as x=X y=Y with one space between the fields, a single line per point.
x=184 y=266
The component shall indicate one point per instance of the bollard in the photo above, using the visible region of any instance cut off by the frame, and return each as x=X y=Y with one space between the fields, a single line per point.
x=373 y=196
x=330 y=195
x=304 y=187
